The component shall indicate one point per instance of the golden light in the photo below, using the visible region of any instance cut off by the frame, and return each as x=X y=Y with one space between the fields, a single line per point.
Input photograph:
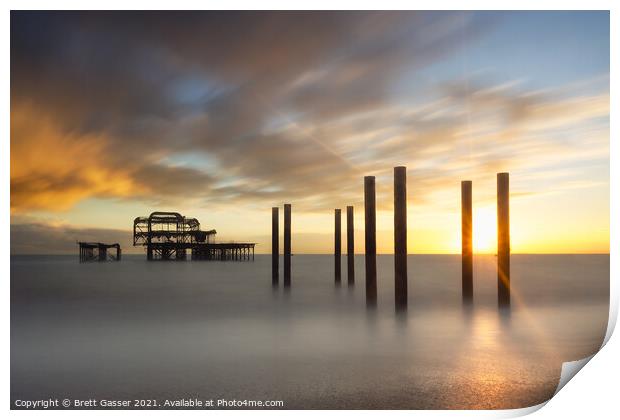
x=485 y=230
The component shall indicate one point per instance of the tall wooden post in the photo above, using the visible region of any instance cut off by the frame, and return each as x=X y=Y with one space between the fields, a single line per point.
x=400 y=236
x=337 y=246
x=503 y=239
x=275 y=245
x=287 y=245
x=350 y=247
x=467 y=256
x=370 y=219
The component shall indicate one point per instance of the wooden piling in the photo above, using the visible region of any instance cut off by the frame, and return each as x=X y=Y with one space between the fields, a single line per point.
x=370 y=220
x=467 y=270
x=287 y=245
x=400 y=236
x=350 y=247
x=275 y=245
x=337 y=246
x=103 y=253
x=503 y=239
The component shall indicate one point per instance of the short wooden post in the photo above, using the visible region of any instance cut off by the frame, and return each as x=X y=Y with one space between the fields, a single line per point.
x=370 y=220
x=287 y=245
x=467 y=268
x=503 y=239
x=337 y=246
x=275 y=245
x=350 y=247
x=400 y=236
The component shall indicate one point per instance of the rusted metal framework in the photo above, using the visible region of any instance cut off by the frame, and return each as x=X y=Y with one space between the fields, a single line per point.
x=169 y=236
x=96 y=251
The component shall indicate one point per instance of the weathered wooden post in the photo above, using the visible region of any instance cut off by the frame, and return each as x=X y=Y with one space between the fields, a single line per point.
x=103 y=252
x=337 y=246
x=275 y=245
x=350 y=247
x=503 y=239
x=467 y=270
x=400 y=236
x=370 y=219
x=287 y=245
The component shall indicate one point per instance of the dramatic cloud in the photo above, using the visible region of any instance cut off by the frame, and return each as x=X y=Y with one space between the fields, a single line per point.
x=228 y=110
x=109 y=95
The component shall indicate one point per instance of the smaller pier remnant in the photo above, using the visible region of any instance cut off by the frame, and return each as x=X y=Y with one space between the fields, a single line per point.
x=503 y=239
x=337 y=246
x=467 y=268
x=350 y=247
x=96 y=251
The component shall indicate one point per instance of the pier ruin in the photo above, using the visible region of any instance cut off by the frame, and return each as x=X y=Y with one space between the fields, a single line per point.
x=96 y=251
x=172 y=236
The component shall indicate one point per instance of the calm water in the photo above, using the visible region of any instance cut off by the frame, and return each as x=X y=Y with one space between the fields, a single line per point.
x=213 y=330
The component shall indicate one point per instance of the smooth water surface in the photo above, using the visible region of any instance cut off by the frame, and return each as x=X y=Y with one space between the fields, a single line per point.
x=210 y=330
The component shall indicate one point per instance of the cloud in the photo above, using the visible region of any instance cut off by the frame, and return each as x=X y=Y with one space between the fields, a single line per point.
x=42 y=238
x=288 y=106
x=54 y=169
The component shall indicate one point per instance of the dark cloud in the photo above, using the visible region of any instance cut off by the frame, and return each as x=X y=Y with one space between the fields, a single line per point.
x=287 y=106
x=251 y=89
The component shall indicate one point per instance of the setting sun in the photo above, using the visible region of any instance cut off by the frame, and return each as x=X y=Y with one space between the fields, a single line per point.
x=485 y=230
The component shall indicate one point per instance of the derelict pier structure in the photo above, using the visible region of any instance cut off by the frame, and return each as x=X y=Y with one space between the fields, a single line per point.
x=171 y=236
x=96 y=251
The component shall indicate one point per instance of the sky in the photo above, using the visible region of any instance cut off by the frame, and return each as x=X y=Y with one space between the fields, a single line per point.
x=223 y=115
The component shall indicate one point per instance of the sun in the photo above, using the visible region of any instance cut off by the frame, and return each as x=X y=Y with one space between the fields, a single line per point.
x=485 y=230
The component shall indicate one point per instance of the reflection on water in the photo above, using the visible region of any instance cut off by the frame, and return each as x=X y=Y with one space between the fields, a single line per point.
x=219 y=329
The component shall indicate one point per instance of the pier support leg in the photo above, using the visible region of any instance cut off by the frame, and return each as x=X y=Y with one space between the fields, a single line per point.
x=337 y=246
x=467 y=256
x=400 y=236
x=103 y=253
x=350 y=247
x=287 y=245
x=503 y=239
x=370 y=220
x=275 y=245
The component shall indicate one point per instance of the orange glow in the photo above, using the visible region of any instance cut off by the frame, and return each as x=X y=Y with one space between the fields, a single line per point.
x=485 y=230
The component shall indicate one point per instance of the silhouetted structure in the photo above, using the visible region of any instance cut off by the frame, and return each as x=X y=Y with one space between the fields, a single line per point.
x=169 y=235
x=337 y=245
x=287 y=245
x=370 y=220
x=96 y=251
x=503 y=239
x=466 y=243
x=350 y=247
x=400 y=236
x=275 y=245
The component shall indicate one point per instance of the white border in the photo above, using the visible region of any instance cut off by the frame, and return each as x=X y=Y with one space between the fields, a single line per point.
x=594 y=394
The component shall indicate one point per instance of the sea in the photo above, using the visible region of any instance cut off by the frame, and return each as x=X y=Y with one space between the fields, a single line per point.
x=158 y=332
